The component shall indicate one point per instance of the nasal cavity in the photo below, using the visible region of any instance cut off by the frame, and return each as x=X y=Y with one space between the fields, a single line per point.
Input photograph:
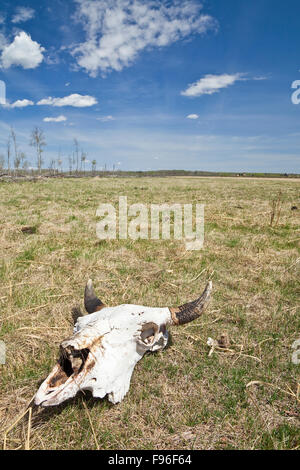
x=73 y=362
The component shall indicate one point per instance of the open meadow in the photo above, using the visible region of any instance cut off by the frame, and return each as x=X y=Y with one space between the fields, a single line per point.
x=182 y=397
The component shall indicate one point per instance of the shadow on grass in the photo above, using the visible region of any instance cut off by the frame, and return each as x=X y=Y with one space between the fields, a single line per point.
x=41 y=415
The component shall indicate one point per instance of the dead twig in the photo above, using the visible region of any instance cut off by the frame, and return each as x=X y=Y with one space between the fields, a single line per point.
x=27 y=442
x=28 y=409
x=290 y=393
x=276 y=209
x=91 y=424
x=28 y=310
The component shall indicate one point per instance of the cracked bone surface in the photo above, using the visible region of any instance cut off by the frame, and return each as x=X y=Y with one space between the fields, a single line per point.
x=106 y=345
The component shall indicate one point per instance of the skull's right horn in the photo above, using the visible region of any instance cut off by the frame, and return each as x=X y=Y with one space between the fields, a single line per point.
x=192 y=310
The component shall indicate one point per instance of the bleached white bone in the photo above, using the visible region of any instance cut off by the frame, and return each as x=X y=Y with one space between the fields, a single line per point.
x=107 y=344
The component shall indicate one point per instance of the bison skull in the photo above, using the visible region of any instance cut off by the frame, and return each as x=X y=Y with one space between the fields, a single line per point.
x=107 y=344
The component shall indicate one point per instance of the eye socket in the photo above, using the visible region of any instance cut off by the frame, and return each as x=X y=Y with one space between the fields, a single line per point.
x=149 y=331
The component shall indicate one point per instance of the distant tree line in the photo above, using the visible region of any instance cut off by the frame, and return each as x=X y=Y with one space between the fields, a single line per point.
x=14 y=162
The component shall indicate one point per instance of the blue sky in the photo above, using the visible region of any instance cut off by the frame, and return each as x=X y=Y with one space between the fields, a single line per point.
x=196 y=85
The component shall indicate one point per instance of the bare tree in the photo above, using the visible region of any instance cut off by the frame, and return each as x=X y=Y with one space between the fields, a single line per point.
x=38 y=141
x=8 y=148
x=17 y=160
x=73 y=160
x=2 y=161
x=52 y=166
x=59 y=164
x=70 y=160
x=25 y=164
x=76 y=153
x=83 y=160
x=22 y=158
x=59 y=161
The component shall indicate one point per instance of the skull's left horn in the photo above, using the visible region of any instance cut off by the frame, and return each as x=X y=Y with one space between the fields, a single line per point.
x=91 y=302
x=192 y=310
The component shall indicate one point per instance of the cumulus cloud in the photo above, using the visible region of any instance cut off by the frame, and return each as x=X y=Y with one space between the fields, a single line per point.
x=105 y=118
x=118 y=30
x=210 y=84
x=75 y=100
x=3 y=41
x=60 y=118
x=192 y=116
x=21 y=104
x=23 y=14
x=22 y=51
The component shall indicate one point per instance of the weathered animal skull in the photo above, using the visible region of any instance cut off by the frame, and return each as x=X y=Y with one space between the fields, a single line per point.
x=107 y=344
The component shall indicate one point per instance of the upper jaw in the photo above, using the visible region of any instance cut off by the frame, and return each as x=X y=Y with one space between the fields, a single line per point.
x=50 y=394
x=63 y=382
x=77 y=358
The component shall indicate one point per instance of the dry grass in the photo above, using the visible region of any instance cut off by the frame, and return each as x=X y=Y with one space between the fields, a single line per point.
x=181 y=398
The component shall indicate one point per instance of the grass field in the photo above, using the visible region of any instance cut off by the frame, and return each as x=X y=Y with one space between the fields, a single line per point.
x=182 y=397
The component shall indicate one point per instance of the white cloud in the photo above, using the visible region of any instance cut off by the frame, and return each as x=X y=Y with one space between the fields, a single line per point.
x=105 y=118
x=260 y=78
x=52 y=57
x=21 y=104
x=22 y=51
x=75 y=100
x=210 y=84
x=23 y=14
x=118 y=30
x=3 y=41
x=192 y=116
x=60 y=118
